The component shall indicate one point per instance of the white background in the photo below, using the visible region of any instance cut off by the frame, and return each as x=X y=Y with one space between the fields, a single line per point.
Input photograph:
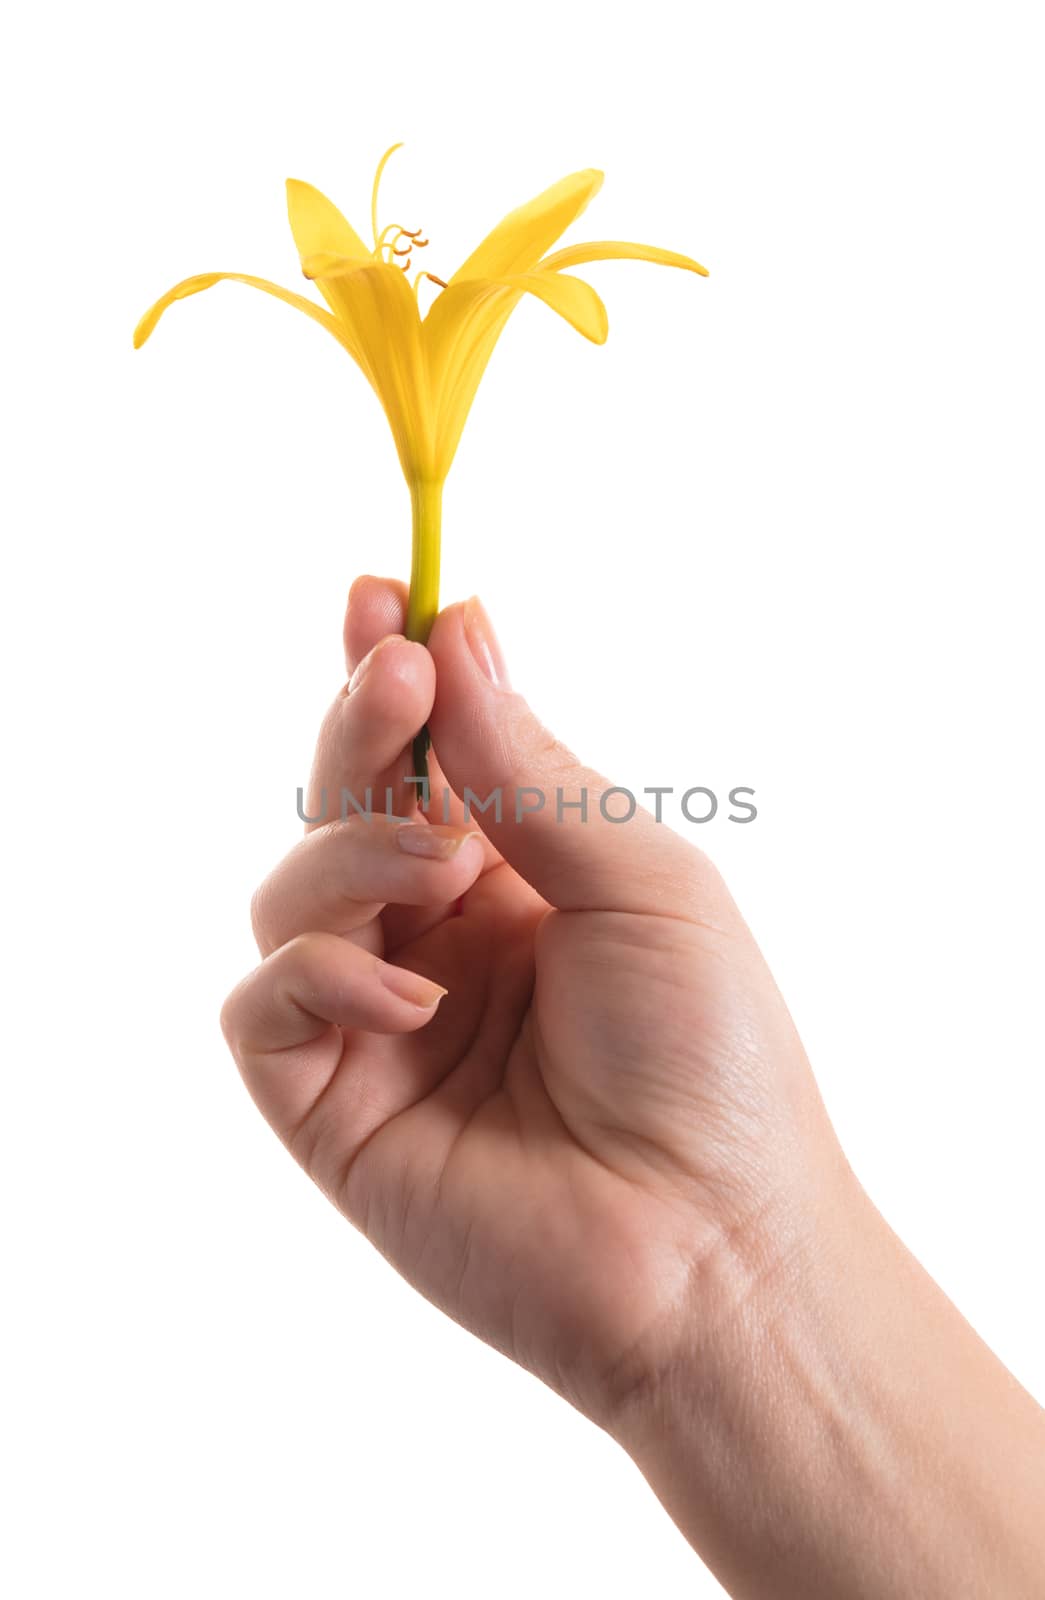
x=783 y=530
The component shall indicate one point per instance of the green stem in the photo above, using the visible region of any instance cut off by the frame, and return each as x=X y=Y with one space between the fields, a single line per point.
x=423 y=603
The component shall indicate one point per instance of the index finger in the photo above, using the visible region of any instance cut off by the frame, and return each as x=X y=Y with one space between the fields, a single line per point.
x=360 y=760
x=376 y=608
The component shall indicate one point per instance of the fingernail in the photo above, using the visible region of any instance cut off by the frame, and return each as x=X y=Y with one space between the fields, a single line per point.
x=482 y=641
x=410 y=986
x=422 y=839
x=364 y=666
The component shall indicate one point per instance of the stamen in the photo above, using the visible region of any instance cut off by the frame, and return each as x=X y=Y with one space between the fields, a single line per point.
x=417 y=282
x=413 y=242
x=387 y=246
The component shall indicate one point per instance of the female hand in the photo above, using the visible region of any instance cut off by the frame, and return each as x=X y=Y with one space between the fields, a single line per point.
x=537 y=1058
x=598 y=1132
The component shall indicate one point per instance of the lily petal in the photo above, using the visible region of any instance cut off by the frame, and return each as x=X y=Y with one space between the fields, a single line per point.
x=463 y=326
x=377 y=309
x=577 y=255
x=572 y=298
x=204 y=280
x=462 y=305
x=518 y=242
x=317 y=224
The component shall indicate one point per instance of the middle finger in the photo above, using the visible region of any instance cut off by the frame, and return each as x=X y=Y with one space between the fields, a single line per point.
x=338 y=878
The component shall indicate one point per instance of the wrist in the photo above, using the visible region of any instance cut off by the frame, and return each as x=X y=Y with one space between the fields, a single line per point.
x=753 y=1284
x=829 y=1424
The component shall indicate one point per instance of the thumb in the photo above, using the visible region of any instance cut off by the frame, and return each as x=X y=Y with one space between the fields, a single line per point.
x=581 y=841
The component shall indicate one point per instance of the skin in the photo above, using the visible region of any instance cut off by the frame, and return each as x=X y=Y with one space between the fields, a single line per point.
x=603 y=1151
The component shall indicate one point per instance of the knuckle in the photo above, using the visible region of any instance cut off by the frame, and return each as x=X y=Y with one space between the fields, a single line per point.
x=330 y=832
x=707 y=899
x=296 y=955
x=260 y=902
x=550 y=755
x=229 y=1017
x=304 y=960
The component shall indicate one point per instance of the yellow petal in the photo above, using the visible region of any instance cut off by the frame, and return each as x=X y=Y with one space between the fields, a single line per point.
x=463 y=311
x=572 y=298
x=330 y=264
x=463 y=326
x=459 y=378
x=518 y=242
x=576 y=255
x=377 y=308
x=317 y=224
x=204 y=280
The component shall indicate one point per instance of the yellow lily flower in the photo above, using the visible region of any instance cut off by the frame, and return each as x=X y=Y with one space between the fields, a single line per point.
x=425 y=369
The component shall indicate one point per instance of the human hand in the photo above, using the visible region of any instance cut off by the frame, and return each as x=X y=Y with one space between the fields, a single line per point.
x=607 y=1129
x=604 y=1151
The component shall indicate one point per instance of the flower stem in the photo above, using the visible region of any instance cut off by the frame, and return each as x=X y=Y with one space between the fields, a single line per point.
x=423 y=603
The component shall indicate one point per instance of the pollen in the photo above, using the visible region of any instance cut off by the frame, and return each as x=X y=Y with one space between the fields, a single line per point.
x=396 y=248
x=441 y=282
